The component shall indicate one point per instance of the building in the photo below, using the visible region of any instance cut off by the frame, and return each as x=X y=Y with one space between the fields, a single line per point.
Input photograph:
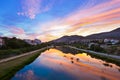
x=1 y=42
x=37 y=41
x=91 y=40
x=28 y=41
x=111 y=41
x=33 y=42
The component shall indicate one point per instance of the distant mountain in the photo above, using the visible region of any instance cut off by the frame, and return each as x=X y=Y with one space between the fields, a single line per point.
x=69 y=38
x=115 y=34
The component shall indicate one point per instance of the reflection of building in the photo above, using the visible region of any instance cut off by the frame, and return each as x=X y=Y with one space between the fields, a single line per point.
x=33 y=42
x=112 y=41
x=1 y=42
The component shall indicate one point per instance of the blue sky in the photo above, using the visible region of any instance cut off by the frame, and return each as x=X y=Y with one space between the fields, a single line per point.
x=51 y=19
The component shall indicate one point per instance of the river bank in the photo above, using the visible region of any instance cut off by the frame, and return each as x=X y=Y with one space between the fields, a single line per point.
x=106 y=57
x=61 y=63
x=9 y=66
x=21 y=55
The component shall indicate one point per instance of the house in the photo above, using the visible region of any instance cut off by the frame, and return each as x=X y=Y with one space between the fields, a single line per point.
x=1 y=42
x=111 y=41
x=91 y=40
x=28 y=41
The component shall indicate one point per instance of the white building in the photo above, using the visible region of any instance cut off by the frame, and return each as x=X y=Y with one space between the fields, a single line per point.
x=37 y=41
x=112 y=41
x=28 y=41
x=33 y=42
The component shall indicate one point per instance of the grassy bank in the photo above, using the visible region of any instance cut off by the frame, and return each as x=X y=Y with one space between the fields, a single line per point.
x=8 y=69
x=13 y=52
x=107 y=59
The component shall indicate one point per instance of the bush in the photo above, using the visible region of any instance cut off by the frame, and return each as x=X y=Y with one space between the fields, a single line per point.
x=97 y=48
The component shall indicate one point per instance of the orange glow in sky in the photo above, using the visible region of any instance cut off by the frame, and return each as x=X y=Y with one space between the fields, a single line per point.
x=51 y=19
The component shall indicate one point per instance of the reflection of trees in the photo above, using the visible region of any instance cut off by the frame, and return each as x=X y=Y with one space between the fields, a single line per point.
x=119 y=70
x=103 y=78
x=67 y=50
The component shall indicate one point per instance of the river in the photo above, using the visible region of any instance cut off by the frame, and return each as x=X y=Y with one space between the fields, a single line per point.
x=62 y=63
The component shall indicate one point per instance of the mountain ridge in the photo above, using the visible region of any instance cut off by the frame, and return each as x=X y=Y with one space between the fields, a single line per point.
x=114 y=34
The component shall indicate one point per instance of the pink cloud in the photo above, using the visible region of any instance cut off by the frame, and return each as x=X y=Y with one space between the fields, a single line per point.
x=95 y=19
x=93 y=11
x=32 y=36
x=99 y=18
x=30 y=8
x=16 y=30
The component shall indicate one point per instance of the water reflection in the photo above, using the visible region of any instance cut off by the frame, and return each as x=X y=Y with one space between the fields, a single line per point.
x=67 y=50
x=55 y=64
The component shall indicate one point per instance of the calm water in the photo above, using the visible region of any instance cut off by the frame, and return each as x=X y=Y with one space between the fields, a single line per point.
x=67 y=64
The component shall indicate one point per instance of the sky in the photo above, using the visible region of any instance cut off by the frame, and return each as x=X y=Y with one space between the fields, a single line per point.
x=50 y=19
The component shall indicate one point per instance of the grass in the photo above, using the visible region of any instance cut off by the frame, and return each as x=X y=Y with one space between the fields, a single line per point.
x=5 y=53
x=8 y=69
x=12 y=52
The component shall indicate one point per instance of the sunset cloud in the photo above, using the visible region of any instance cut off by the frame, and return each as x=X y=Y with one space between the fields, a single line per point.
x=50 y=19
x=30 y=8
x=16 y=30
x=85 y=22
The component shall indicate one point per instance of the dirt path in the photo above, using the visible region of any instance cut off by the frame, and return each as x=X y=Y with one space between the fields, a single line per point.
x=21 y=55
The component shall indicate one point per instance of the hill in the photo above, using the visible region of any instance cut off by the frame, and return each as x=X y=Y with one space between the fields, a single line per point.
x=114 y=34
x=69 y=38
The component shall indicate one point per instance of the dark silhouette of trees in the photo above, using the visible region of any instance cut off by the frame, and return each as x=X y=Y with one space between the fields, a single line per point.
x=14 y=43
